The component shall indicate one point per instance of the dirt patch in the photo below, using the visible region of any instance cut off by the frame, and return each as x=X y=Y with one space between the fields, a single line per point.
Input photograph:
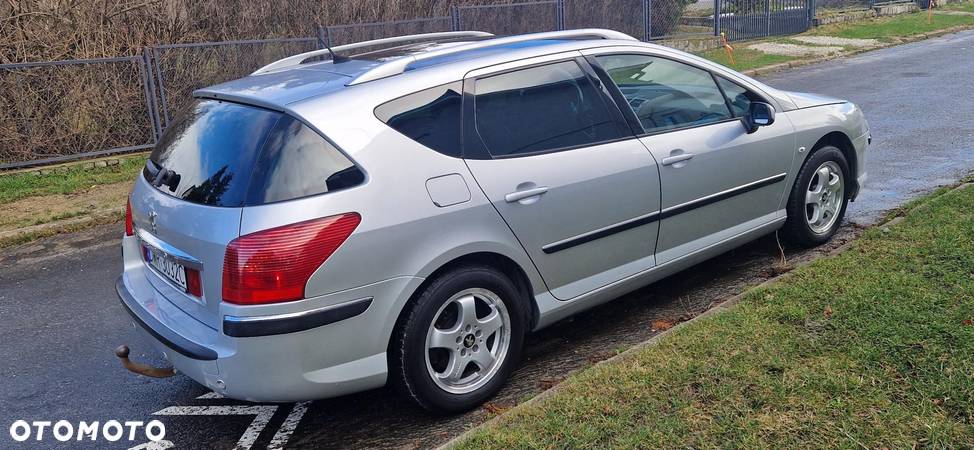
x=775 y=48
x=46 y=209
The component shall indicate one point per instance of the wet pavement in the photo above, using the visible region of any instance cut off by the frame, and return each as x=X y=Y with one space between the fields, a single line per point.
x=60 y=317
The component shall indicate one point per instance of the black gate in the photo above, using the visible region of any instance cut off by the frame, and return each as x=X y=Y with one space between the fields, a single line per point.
x=747 y=19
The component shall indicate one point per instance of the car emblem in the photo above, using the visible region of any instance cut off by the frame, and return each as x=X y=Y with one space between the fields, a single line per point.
x=152 y=221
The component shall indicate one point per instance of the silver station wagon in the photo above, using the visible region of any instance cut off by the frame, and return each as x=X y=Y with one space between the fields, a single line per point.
x=405 y=211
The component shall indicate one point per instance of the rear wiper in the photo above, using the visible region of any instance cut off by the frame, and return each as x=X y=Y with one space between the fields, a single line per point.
x=166 y=177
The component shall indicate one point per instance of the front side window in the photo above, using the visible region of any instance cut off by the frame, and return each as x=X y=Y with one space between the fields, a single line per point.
x=430 y=117
x=542 y=108
x=739 y=98
x=665 y=94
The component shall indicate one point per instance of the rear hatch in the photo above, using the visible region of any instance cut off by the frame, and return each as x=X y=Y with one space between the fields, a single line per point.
x=217 y=159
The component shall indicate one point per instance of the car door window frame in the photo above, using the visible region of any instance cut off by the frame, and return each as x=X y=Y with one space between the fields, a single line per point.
x=619 y=98
x=474 y=146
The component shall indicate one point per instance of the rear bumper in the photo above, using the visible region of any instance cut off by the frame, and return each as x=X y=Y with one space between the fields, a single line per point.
x=306 y=355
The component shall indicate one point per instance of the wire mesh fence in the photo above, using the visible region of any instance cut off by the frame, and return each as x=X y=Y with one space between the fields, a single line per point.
x=104 y=109
x=627 y=16
x=182 y=68
x=140 y=95
x=346 y=34
x=514 y=18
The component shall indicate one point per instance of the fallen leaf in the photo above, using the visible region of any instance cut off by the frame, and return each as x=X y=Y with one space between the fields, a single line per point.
x=662 y=325
x=937 y=401
x=828 y=312
x=495 y=409
x=969 y=322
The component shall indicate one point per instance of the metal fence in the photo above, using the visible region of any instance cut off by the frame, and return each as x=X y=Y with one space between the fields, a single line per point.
x=40 y=123
x=60 y=110
x=746 y=19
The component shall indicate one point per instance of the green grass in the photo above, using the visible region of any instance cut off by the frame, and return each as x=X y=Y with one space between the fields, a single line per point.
x=965 y=6
x=744 y=58
x=873 y=348
x=73 y=179
x=891 y=27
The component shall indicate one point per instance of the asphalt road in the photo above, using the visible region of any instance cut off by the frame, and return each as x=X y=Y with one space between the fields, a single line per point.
x=60 y=319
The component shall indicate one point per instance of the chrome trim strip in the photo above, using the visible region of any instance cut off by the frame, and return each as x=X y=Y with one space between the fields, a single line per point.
x=722 y=195
x=645 y=219
x=600 y=233
x=175 y=253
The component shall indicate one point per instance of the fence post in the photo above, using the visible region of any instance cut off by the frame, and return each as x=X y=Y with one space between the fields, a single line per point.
x=322 y=38
x=560 y=14
x=717 y=8
x=455 y=15
x=767 y=17
x=648 y=20
x=150 y=85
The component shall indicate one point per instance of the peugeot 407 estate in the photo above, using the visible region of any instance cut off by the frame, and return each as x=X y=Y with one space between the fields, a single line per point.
x=405 y=211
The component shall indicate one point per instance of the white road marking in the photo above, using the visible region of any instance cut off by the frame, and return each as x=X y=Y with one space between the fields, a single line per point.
x=287 y=428
x=160 y=445
x=263 y=413
x=209 y=395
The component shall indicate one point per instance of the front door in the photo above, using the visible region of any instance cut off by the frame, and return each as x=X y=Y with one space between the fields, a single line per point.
x=562 y=167
x=717 y=180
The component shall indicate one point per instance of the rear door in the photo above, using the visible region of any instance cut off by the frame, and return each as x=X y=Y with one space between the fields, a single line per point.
x=556 y=158
x=717 y=180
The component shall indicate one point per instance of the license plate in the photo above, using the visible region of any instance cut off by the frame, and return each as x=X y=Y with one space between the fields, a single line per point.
x=166 y=265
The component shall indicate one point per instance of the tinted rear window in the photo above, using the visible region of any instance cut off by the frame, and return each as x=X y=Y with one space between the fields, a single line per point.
x=226 y=154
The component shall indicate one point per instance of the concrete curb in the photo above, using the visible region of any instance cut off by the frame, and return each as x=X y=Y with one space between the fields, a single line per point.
x=25 y=234
x=717 y=309
x=807 y=62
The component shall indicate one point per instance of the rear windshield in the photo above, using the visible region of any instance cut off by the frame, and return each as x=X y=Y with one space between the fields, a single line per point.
x=227 y=154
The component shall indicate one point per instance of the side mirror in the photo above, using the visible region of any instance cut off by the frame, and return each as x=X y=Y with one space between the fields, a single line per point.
x=758 y=115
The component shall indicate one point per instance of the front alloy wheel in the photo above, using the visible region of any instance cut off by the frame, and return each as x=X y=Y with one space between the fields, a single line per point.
x=818 y=199
x=824 y=197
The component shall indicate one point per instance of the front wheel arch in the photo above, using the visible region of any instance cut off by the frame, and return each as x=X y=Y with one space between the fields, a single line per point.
x=842 y=142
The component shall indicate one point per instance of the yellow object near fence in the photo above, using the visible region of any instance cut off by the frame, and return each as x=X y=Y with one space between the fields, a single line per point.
x=727 y=47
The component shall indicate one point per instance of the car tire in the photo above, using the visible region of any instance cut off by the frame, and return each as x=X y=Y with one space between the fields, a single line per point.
x=479 y=358
x=816 y=206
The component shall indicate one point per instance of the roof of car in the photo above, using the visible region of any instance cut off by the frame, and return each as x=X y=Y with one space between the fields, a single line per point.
x=275 y=89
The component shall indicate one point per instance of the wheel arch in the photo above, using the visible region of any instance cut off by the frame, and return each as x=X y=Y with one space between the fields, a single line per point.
x=840 y=140
x=495 y=260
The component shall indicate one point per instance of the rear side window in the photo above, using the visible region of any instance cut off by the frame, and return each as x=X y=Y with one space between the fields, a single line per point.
x=542 y=108
x=227 y=154
x=430 y=117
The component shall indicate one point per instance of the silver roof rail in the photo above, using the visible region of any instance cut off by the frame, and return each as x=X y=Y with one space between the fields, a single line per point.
x=298 y=59
x=398 y=66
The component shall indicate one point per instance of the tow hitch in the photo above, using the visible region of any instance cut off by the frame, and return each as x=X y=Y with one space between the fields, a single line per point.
x=122 y=352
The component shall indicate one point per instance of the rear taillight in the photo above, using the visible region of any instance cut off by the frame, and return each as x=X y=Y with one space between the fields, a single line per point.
x=129 y=227
x=272 y=266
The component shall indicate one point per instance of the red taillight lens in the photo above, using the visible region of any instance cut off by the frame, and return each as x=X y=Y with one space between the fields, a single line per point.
x=273 y=265
x=193 y=285
x=129 y=227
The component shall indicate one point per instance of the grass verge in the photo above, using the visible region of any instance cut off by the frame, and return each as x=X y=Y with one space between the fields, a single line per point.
x=745 y=58
x=873 y=348
x=68 y=180
x=891 y=28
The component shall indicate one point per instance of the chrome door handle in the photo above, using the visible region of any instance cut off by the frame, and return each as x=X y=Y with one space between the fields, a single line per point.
x=525 y=194
x=670 y=160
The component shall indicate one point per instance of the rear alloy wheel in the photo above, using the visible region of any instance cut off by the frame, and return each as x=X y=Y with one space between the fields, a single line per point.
x=818 y=199
x=460 y=339
x=468 y=341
